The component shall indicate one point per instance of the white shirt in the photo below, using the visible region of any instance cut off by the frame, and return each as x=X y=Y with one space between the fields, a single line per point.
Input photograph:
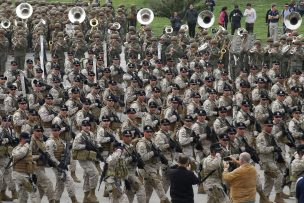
x=250 y=15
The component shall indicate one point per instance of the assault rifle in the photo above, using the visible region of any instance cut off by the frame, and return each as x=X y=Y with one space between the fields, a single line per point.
x=158 y=153
x=253 y=120
x=103 y=174
x=254 y=155
x=278 y=157
x=91 y=146
x=196 y=141
x=288 y=135
x=175 y=145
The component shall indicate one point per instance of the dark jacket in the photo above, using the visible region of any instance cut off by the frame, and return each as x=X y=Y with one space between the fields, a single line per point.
x=181 y=190
x=176 y=23
x=235 y=17
x=191 y=16
x=299 y=190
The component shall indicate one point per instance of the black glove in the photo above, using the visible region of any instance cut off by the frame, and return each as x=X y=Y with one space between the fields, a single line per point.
x=277 y=149
x=34 y=178
x=156 y=153
x=42 y=157
x=67 y=128
x=55 y=113
x=15 y=141
x=99 y=157
x=79 y=106
x=63 y=166
x=127 y=184
x=41 y=102
x=134 y=159
x=112 y=139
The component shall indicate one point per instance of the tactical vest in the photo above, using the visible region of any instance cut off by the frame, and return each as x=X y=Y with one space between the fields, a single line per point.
x=25 y=165
x=59 y=149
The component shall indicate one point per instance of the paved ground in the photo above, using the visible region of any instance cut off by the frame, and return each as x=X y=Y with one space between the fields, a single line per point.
x=79 y=193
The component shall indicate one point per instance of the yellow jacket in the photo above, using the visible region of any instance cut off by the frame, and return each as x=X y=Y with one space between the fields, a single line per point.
x=242 y=183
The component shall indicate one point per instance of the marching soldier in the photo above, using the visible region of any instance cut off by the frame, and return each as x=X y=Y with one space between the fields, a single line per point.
x=273 y=175
x=296 y=125
x=23 y=170
x=8 y=142
x=86 y=158
x=132 y=161
x=32 y=120
x=131 y=124
x=150 y=172
x=212 y=166
x=56 y=148
x=10 y=102
x=279 y=85
x=278 y=105
x=21 y=115
x=152 y=117
x=47 y=112
x=245 y=116
x=195 y=105
x=37 y=147
x=297 y=168
x=221 y=124
x=4 y=46
x=211 y=106
x=262 y=110
x=20 y=46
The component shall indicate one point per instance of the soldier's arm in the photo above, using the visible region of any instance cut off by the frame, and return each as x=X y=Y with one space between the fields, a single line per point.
x=45 y=116
x=77 y=144
x=142 y=150
x=100 y=136
x=292 y=128
x=20 y=152
x=183 y=138
x=161 y=143
x=217 y=127
x=17 y=119
x=262 y=146
x=50 y=147
x=195 y=129
x=8 y=106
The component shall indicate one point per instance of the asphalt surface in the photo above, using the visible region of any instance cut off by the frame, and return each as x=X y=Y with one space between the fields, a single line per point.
x=201 y=198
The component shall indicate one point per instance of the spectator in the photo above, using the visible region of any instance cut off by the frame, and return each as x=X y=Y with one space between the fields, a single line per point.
x=300 y=189
x=251 y=16
x=182 y=179
x=292 y=5
x=223 y=19
x=267 y=21
x=242 y=180
x=191 y=17
x=176 y=22
x=210 y=4
x=300 y=7
x=273 y=18
x=285 y=13
x=235 y=17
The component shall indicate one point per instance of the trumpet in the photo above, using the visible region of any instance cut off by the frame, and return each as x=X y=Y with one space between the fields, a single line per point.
x=94 y=22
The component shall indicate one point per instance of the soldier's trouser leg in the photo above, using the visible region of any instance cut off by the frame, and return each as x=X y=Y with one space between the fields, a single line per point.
x=2 y=64
x=72 y=166
x=165 y=178
x=158 y=187
x=136 y=188
x=69 y=184
x=217 y=195
x=8 y=175
x=273 y=177
x=44 y=183
x=21 y=181
x=259 y=186
x=90 y=175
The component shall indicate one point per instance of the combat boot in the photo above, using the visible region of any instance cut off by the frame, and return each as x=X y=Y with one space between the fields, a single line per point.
x=85 y=197
x=92 y=197
x=165 y=201
x=14 y=194
x=264 y=198
x=5 y=197
x=278 y=198
x=56 y=201
x=200 y=189
x=73 y=175
x=0 y=198
x=74 y=200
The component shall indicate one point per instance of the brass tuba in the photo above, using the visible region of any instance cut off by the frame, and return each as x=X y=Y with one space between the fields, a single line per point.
x=168 y=29
x=145 y=16
x=240 y=31
x=24 y=10
x=184 y=27
x=77 y=14
x=293 y=20
x=5 y=23
x=117 y=25
x=205 y=19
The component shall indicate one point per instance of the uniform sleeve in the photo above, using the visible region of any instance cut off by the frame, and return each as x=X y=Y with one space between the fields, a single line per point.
x=45 y=116
x=8 y=105
x=77 y=144
x=50 y=147
x=183 y=138
x=262 y=146
x=20 y=151
x=17 y=119
x=142 y=150
x=160 y=142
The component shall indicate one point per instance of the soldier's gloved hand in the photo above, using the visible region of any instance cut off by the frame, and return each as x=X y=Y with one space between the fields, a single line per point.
x=34 y=178
x=15 y=141
x=134 y=159
x=67 y=128
x=63 y=166
x=156 y=153
x=112 y=139
x=55 y=114
x=41 y=102
x=277 y=149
